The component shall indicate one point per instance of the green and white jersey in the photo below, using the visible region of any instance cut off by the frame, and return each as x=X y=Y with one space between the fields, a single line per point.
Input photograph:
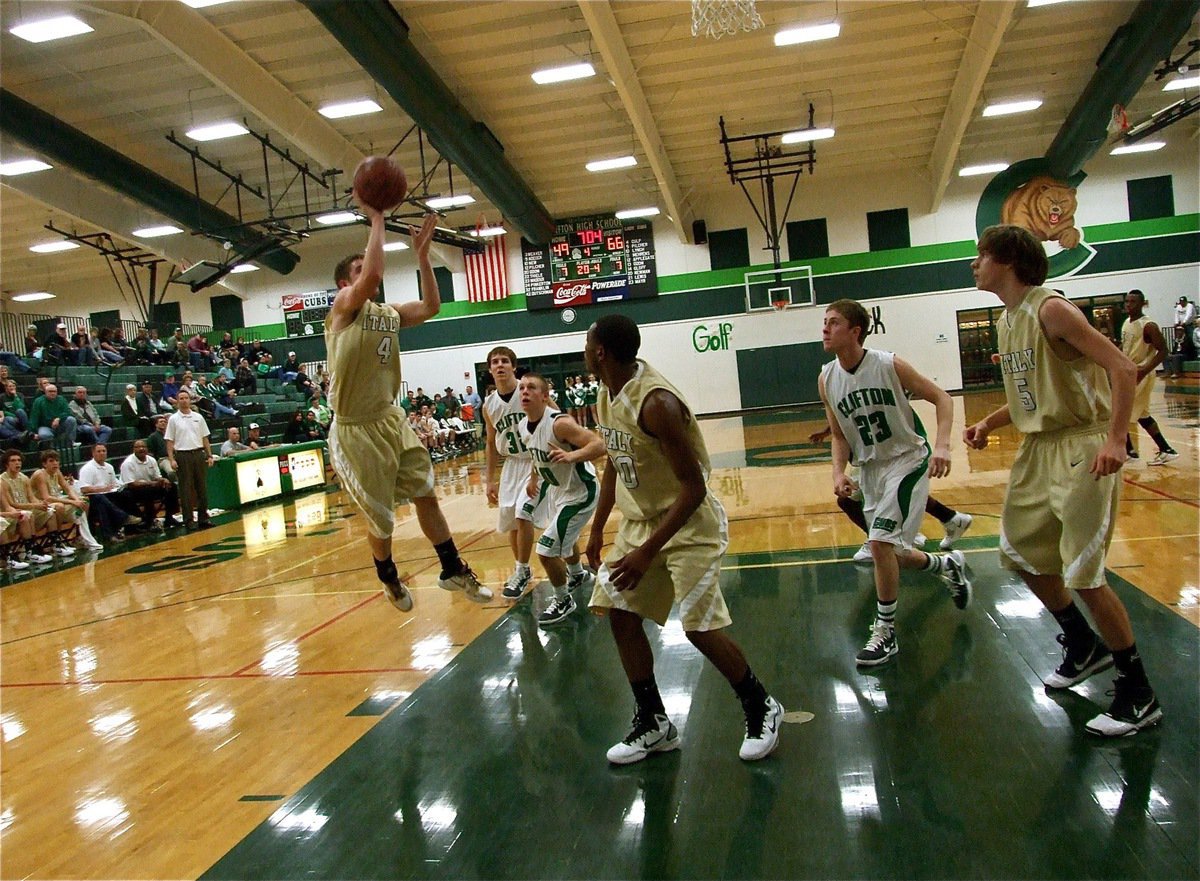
x=505 y=414
x=569 y=482
x=872 y=409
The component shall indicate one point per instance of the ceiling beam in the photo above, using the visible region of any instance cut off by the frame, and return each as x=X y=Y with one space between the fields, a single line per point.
x=603 y=24
x=200 y=43
x=987 y=31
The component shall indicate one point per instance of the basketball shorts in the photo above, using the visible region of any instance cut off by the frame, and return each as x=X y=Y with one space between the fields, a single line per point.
x=8 y=524
x=40 y=518
x=515 y=501
x=381 y=463
x=1141 y=398
x=1058 y=518
x=894 y=494
x=567 y=517
x=686 y=570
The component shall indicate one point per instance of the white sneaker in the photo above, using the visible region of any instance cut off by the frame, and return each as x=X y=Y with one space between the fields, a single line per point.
x=558 y=611
x=957 y=525
x=1162 y=458
x=762 y=734
x=863 y=554
x=517 y=584
x=40 y=559
x=466 y=581
x=583 y=579
x=64 y=551
x=398 y=595
x=657 y=735
x=14 y=563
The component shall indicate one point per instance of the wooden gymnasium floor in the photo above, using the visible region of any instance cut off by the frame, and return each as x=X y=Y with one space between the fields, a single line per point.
x=242 y=703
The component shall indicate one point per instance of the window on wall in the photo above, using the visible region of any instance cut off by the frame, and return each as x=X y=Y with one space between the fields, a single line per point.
x=807 y=239
x=888 y=229
x=729 y=248
x=1150 y=197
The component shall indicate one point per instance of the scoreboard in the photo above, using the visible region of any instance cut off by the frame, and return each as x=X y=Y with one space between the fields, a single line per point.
x=591 y=260
x=304 y=314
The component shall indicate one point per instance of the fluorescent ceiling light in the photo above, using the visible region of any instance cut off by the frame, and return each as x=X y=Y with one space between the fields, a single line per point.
x=636 y=212
x=52 y=247
x=1033 y=3
x=200 y=4
x=216 y=131
x=50 y=29
x=396 y=246
x=349 y=108
x=488 y=232
x=1139 y=147
x=1004 y=108
x=37 y=295
x=153 y=232
x=808 y=134
x=1183 y=82
x=450 y=201
x=808 y=34
x=610 y=164
x=562 y=74
x=243 y=267
x=336 y=218
x=22 y=166
x=986 y=168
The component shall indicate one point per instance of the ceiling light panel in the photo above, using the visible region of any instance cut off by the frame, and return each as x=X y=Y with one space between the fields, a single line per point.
x=562 y=74
x=50 y=29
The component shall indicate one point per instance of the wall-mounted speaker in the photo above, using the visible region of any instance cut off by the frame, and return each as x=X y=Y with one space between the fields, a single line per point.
x=699 y=232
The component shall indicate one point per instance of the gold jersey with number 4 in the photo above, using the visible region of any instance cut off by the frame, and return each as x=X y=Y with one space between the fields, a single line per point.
x=646 y=485
x=1044 y=391
x=364 y=363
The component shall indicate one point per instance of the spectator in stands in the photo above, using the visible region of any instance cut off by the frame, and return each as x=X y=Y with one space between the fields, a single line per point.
x=106 y=352
x=51 y=417
x=294 y=432
x=225 y=398
x=11 y=361
x=242 y=347
x=228 y=348
x=322 y=380
x=470 y=396
x=205 y=398
x=87 y=419
x=142 y=421
x=116 y=339
x=254 y=438
x=188 y=384
x=146 y=404
x=244 y=380
x=264 y=369
x=141 y=348
x=81 y=343
x=438 y=410
x=159 y=352
x=320 y=411
x=15 y=425
x=312 y=428
x=97 y=477
x=58 y=349
x=233 y=443
x=451 y=402
x=178 y=347
x=156 y=443
x=290 y=368
x=423 y=399
x=305 y=385
x=18 y=495
x=200 y=353
x=1185 y=325
x=408 y=405
x=33 y=348
x=426 y=430
x=144 y=483
x=50 y=485
x=227 y=373
x=170 y=392
x=254 y=352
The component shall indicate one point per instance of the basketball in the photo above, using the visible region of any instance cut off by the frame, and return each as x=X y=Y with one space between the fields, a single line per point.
x=379 y=182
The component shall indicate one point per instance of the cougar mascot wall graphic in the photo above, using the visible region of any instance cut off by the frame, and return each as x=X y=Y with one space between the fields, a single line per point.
x=1045 y=207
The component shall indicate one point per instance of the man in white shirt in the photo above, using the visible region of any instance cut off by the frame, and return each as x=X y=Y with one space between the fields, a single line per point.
x=145 y=484
x=97 y=478
x=1185 y=318
x=190 y=453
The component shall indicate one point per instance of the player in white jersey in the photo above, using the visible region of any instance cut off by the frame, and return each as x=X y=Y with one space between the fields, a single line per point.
x=874 y=424
x=561 y=452
x=1142 y=342
x=508 y=469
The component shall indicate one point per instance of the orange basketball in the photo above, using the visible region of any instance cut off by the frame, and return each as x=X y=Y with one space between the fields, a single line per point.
x=379 y=182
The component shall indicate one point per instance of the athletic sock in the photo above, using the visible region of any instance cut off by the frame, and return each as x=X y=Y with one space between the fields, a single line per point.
x=885 y=613
x=448 y=557
x=575 y=568
x=1129 y=664
x=386 y=570
x=934 y=563
x=1074 y=626
x=649 y=701
x=750 y=690
x=522 y=569
x=939 y=511
x=560 y=590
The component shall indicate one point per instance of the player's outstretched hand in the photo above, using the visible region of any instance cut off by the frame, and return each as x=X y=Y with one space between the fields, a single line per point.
x=939 y=462
x=423 y=236
x=976 y=436
x=1109 y=460
x=365 y=209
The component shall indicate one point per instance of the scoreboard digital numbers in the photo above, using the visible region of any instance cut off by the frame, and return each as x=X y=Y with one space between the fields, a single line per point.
x=591 y=260
x=304 y=314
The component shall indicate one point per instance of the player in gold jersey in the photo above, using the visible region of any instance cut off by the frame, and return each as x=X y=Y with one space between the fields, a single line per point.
x=1143 y=343
x=376 y=454
x=1061 y=504
x=669 y=544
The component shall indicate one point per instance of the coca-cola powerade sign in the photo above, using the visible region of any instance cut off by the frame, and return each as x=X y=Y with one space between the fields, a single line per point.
x=591 y=260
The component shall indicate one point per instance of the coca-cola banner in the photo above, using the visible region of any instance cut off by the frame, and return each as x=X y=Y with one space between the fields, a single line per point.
x=591 y=260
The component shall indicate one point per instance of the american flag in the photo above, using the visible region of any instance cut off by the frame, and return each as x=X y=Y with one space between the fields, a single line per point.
x=487 y=273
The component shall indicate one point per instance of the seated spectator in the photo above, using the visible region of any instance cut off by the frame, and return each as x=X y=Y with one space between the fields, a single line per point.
x=244 y=380
x=50 y=485
x=116 y=338
x=18 y=496
x=81 y=341
x=227 y=348
x=294 y=432
x=312 y=428
x=159 y=352
x=87 y=420
x=33 y=348
x=226 y=372
x=254 y=352
x=144 y=483
x=453 y=405
x=200 y=353
x=425 y=429
x=320 y=410
x=234 y=443
x=322 y=380
x=205 y=397
x=170 y=391
x=146 y=407
x=138 y=410
x=254 y=438
x=305 y=385
x=439 y=409
x=58 y=349
x=180 y=355
x=264 y=369
x=225 y=398
x=289 y=369
x=51 y=417
x=156 y=444
x=15 y=425
x=11 y=361
x=187 y=383
x=464 y=434
x=99 y=482
x=105 y=351
x=408 y=404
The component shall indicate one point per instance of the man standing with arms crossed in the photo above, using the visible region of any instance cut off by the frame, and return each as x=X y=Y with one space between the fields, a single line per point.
x=1143 y=344
x=1061 y=504
x=669 y=545
x=376 y=454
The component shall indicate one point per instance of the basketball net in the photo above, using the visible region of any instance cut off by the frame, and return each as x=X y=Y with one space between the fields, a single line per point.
x=716 y=18
x=779 y=305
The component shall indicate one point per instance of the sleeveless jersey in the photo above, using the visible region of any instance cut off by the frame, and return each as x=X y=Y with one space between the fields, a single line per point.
x=506 y=418
x=364 y=364
x=1044 y=392
x=1133 y=341
x=568 y=482
x=646 y=485
x=872 y=409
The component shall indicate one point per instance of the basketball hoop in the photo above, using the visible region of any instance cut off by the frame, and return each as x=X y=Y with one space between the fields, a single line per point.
x=717 y=18
x=780 y=305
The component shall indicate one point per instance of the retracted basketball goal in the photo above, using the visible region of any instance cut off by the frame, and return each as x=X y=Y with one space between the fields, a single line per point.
x=719 y=18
